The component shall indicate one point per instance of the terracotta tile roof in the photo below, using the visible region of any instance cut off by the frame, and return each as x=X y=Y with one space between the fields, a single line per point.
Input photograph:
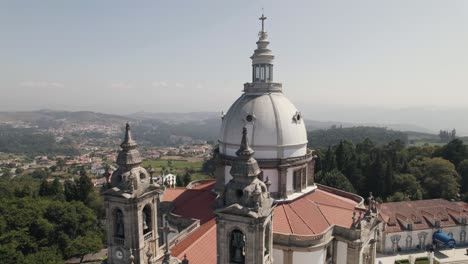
x=170 y=194
x=199 y=246
x=313 y=213
x=421 y=214
x=205 y=185
x=191 y=203
x=310 y=214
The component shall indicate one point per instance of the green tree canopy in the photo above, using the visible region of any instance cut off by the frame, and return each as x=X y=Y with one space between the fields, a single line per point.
x=455 y=151
x=335 y=179
x=438 y=178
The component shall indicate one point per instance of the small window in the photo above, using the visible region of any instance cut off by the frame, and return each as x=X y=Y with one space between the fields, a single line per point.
x=257 y=73
x=249 y=118
x=142 y=177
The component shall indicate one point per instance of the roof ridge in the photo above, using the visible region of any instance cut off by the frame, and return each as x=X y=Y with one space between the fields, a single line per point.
x=331 y=205
x=311 y=229
x=318 y=207
x=287 y=219
x=341 y=198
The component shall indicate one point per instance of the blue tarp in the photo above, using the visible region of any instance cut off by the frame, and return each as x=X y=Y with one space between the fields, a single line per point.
x=444 y=239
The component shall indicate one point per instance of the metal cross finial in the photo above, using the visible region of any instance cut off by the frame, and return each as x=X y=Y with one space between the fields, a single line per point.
x=262 y=18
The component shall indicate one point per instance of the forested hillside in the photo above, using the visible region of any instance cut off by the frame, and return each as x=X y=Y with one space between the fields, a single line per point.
x=29 y=141
x=395 y=172
x=332 y=136
x=46 y=222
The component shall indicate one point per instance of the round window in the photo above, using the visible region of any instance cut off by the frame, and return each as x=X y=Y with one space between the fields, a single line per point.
x=249 y=118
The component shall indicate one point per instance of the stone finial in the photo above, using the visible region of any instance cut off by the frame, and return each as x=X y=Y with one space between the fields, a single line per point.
x=151 y=171
x=129 y=155
x=244 y=150
x=268 y=183
x=128 y=142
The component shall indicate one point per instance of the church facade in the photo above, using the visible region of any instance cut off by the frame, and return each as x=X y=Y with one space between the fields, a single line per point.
x=264 y=205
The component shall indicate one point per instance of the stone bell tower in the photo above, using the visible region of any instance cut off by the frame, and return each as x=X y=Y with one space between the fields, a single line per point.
x=244 y=213
x=131 y=209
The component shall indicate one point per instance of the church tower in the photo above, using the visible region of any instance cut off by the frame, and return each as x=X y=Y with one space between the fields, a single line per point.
x=131 y=209
x=244 y=213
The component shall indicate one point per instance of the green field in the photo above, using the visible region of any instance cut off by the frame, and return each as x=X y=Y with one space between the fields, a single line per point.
x=179 y=167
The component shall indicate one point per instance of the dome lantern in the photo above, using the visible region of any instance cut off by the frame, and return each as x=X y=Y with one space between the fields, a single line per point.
x=262 y=59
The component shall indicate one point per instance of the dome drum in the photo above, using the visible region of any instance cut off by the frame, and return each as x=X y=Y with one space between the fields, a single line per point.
x=263 y=87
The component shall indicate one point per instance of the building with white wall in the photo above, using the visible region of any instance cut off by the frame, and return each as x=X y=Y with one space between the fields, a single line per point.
x=410 y=225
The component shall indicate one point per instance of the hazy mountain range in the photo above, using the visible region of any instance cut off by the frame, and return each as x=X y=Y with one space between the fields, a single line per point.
x=173 y=118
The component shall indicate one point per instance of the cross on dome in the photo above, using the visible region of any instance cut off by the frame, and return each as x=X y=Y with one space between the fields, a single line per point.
x=262 y=18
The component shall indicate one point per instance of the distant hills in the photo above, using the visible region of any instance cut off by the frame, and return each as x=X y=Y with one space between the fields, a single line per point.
x=52 y=115
x=163 y=129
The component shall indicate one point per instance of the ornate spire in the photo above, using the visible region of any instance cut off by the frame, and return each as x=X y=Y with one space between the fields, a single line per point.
x=128 y=142
x=245 y=166
x=129 y=155
x=244 y=151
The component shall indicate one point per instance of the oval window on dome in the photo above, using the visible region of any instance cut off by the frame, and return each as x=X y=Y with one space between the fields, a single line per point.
x=297 y=117
x=249 y=118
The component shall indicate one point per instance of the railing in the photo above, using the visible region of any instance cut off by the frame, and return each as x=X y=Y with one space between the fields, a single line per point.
x=148 y=235
x=119 y=241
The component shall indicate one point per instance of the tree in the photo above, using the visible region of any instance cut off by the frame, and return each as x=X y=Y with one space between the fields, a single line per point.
x=70 y=191
x=40 y=173
x=85 y=186
x=179 y=182
x=56 y=189
x=329 y=162
x=44 y=189
x=376 y=175
x=438 y=178
x=61 y=164
x=6 y=172
x=454 y=151
x=90 y=242
x=407 y=185
x=397 y=197
x=187 y=178
x=209 y=166
x=335 y=179
x=463 y=171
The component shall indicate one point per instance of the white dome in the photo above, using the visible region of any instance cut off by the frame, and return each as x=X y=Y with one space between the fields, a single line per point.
x=275 y=126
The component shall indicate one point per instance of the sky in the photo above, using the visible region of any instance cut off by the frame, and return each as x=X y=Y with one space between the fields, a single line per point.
x=179 y=56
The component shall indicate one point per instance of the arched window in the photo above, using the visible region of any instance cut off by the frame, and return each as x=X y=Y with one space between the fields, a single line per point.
x=119 y=228
x=462 y=237
x=237 y=247
x=147 y=219
x=409 y=242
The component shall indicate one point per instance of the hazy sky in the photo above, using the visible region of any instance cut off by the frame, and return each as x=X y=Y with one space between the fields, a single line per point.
x=128 y=56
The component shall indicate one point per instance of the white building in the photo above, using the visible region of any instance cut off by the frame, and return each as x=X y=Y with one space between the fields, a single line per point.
x=410 y=225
